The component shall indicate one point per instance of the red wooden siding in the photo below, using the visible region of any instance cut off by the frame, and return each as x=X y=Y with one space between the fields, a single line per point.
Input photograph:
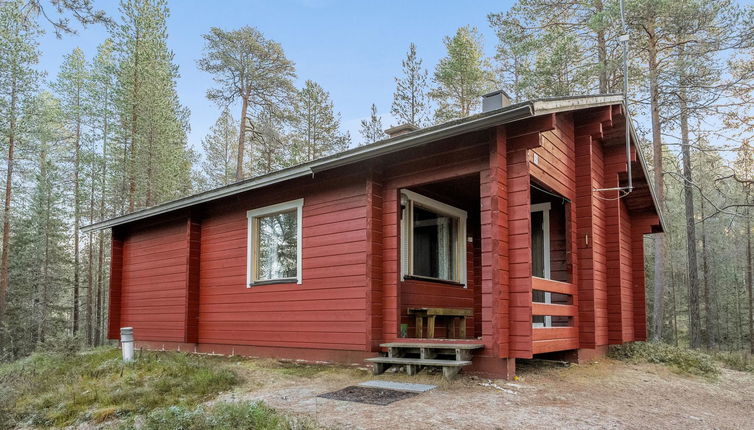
x=183 y=280
x=326 y=311
x=153 y=294
x=519 y=247
x=193 y=248
x=374 y=260
x=591 y=231
x=116 y=287
x=492 y=296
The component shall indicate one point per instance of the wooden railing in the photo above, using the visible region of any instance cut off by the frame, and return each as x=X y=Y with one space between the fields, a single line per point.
x=549 y=339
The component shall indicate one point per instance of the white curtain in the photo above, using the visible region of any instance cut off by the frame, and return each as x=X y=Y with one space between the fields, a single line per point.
x=443 y=248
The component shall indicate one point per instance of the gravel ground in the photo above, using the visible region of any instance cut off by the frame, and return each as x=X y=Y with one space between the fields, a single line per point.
x=604 y=395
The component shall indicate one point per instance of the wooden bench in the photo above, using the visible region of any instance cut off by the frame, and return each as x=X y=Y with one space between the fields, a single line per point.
x=457 y=320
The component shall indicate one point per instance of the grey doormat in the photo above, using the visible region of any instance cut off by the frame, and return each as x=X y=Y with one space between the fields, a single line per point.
x=400 y=386
x=370 y=395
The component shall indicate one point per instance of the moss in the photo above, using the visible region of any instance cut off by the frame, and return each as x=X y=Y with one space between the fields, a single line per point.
x=54 y=389
x=681 y=360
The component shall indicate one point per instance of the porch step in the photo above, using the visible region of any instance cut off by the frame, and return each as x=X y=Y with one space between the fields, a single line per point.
x=413 y=365
x=418 y=361
x=430 y=354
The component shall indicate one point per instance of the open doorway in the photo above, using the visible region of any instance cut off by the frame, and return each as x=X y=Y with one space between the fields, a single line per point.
x=549 y=252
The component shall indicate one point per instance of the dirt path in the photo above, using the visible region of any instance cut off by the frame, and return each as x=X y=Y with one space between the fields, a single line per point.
x=608 y=394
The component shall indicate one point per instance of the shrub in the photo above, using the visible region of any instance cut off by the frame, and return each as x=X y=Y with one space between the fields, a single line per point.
x=681 y=360
x=741 y=361
x=58 y=389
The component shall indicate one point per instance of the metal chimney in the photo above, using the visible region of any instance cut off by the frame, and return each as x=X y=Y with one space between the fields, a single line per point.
x=495 y=100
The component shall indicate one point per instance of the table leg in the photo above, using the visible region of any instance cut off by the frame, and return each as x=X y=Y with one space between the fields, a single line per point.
x=419 y=326
x=431 y=326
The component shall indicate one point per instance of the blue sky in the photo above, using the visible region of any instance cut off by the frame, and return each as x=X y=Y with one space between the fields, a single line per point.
x=352 y=48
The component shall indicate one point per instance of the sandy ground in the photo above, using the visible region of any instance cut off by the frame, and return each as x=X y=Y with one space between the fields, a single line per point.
x=607 y=394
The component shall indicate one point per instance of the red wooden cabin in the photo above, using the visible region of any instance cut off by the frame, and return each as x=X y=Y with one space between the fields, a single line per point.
x=498 y=213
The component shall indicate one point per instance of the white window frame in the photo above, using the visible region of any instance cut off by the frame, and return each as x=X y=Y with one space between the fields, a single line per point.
x=408 y=200
x=545 y=209
x=251 y=239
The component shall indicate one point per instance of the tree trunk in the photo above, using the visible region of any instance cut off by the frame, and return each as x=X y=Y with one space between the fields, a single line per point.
x=90 y=269
x=42 y=327
x=76 y=222
x=242 y=137
x=710 y=312
x=749 y=270
x=5 y=249
x=688 y=193
x=659 y=239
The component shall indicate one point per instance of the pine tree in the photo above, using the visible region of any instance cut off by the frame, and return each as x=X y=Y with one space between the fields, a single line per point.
x=462 y=77
x=220 y=149
x=18 y=55
x=315 y=125
x=70 y=88
x=153 y=121
x=410 y=102
x=247 y=67
x=270 y=150
x=41 y=263
x=371 y=129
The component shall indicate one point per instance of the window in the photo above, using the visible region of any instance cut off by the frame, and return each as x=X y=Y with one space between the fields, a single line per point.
x=433 y=239
x=274 y=246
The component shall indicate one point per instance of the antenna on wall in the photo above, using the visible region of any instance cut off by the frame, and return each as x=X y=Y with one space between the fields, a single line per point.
x=623 y=38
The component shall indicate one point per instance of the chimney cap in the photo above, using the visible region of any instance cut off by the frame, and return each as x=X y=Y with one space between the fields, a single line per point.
x=401 y=129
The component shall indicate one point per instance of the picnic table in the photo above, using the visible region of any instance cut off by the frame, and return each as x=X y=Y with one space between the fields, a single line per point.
x=457 y=320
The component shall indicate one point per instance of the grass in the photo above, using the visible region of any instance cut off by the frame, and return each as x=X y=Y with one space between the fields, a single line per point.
x=58 y=389
x=681 y=360
x=238 y=415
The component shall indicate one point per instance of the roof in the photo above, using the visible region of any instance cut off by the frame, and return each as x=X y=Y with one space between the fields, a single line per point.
x=508 y=114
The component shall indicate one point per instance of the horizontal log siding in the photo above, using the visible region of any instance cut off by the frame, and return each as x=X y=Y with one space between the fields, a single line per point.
x=327 y=311
x=493 y=294
x=116 y=287
x=153 y=295
x=591 y=240
x=619 y=270
x=519 y=252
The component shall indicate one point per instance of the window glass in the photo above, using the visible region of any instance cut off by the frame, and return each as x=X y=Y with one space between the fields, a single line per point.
x=435 y=238
x=276 y=246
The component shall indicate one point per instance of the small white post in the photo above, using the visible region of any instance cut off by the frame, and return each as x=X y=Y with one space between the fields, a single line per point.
x=127 y=343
